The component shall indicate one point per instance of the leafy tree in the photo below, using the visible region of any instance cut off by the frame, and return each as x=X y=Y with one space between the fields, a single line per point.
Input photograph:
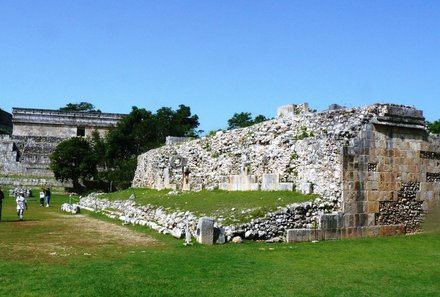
x=73 y=160
x=244 y=119
x=80 y=107
x=260 y=118
x=434 y=127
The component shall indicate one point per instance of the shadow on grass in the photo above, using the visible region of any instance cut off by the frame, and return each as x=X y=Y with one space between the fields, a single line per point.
x=432 y=221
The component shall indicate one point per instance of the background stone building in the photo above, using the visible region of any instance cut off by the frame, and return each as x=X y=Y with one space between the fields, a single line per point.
x=37 y=132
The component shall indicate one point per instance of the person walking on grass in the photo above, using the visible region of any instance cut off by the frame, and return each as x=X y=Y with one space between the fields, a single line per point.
x=2 y=196
x=21 y=205
x=47 y=191
x=42 y=195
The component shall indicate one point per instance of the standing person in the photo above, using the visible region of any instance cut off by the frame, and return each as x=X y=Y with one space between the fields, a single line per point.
x=2 y=196
x=47 y=196
x=21 y=205
x=42 y=195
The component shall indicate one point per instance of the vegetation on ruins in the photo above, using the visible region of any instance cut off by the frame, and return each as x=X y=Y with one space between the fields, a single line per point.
x=80 y=107
x=234 y=207
x=115 y=154
x=244 y=119
x=434 y=127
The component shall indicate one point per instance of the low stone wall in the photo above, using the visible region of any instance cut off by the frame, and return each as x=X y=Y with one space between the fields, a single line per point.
x=297 y=222
x=273 y=225
x=32 y=182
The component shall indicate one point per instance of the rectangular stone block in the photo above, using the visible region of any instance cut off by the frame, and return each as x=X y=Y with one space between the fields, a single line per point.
x=360 y=219
x=332 y=222
x=270 y=182
x=373 y=206
x=391 y=230
x=285 y=187
x=205 y=230
x=255 y=187
x=300 y=235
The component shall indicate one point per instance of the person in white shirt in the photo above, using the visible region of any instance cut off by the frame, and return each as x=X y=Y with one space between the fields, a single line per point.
x=42 y=195
x=21 y=205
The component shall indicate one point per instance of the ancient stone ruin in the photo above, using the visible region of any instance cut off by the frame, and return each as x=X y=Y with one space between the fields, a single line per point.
x=376 y=166
x=37 y=132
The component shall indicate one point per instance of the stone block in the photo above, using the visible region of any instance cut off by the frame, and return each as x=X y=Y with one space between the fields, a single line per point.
x=360 y=219
x=371 y=220
x=205 y=230
x=270 y=182
x=373 y=206
x=285 y=187
x=255 y=187
x=331 y=222
x=300 y=235
x=330 y=234
x=391 y=230
x=219 y=235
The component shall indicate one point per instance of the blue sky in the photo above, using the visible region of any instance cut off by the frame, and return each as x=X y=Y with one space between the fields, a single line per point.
x=219 y=57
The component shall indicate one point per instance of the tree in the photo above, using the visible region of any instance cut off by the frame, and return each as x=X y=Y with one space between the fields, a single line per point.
x=80 y=107
x=244 y=119
x=434 y=127
x=140 y=131
x=73 y=160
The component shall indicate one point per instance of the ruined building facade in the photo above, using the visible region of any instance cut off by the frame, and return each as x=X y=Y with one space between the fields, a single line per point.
x=37 y=132
x=377 y=164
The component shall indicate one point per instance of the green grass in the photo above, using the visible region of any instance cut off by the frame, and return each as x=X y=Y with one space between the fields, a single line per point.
x=91 y=264
x=234 y=206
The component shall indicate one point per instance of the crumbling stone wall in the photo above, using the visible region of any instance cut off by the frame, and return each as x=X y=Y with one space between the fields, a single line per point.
x=302 y=148
x=377 y=164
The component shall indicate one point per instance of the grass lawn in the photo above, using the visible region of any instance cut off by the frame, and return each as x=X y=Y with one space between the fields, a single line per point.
x=235 y=206
x=56 y=254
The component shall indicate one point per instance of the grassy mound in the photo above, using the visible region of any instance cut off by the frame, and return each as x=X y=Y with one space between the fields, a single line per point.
x=230 y=207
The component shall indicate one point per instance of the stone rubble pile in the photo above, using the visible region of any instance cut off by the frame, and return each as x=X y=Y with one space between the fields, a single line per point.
x=71 y=208
x=157 y=218
x=15 y=191
x=276 y=224
x=272 y=227
x=304 y=149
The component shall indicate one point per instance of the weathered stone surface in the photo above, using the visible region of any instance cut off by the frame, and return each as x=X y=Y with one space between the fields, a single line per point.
x=237 y=239
x=205 y=230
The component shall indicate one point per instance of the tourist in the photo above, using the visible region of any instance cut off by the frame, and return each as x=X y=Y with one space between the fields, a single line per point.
x=47 y=197
x=2 y=196
x=21 y=205
x=42 y=195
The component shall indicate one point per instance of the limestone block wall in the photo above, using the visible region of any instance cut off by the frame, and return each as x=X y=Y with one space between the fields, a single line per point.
x=302 y=148
x=389 y=173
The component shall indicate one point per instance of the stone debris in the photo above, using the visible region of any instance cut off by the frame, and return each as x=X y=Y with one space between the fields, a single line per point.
x=273 y=226
x=71 y=208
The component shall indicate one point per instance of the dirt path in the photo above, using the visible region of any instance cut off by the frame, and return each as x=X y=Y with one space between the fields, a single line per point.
x=64 y=235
